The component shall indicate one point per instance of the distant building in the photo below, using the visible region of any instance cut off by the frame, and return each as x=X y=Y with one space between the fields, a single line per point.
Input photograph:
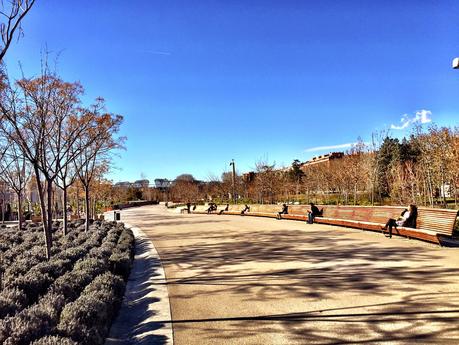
x=141 y=184
x=124 y=184
x=136 y=184
x=249 y=177
x=323 y=159
x=162 y=183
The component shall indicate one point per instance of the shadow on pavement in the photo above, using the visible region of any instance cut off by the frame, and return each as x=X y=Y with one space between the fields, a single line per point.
x=138 y=304
x=333 y=263
x=418 y=291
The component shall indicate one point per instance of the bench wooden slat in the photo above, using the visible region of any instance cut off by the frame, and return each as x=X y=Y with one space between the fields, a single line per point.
x=431 y=223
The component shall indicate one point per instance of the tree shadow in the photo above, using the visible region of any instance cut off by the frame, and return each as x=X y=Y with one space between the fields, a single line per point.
x=132 y=325
x=274 y=264
x=416 y=318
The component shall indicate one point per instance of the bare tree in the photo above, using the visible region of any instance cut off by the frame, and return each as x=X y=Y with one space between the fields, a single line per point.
x=12 y=13
x=40 y=115
x=267 y=182
x=15 y=172
x=19 y=123
x=66 y=177
x=95 y=147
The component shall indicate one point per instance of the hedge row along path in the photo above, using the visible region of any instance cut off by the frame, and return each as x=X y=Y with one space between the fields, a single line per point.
x=248 y=280
x=70 y=298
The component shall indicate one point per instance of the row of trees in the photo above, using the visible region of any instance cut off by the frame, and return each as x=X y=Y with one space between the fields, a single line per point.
x=48 y=135
x=421 y=169
x=48 y=138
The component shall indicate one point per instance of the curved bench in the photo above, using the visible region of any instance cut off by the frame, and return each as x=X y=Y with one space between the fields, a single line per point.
x=432 y=223
x=430 y=226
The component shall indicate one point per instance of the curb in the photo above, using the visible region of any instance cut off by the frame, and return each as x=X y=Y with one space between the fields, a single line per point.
x=145 y=314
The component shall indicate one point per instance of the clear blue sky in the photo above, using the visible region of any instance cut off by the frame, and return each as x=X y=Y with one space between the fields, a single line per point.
x=202 y=82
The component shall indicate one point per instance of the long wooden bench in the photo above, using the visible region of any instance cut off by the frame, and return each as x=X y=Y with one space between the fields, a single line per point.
x=431 y=225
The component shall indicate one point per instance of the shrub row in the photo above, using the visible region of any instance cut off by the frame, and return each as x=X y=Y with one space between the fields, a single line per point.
x=16 y=253
x=11 y=236
x=100 y=299
x=123 y=254
x=87 y=320
x=37 y=279
x=42 y=318
x=54 y=340
x=19 y=247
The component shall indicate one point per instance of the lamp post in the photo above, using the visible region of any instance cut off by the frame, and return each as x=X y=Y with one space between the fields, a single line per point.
x=233 y=180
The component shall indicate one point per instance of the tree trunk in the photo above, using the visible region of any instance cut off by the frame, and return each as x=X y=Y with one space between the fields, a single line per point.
x=425 y=193
x=49 y=192
x=54 y=208
x=455 y=193
x=443 y=188
x=297 y=190
x=86 y=207
x=19 y=210
x=64 y=208
x=94 y=208
x=431 y=196
x=46 y=230
x=77 y=203
x=355 y=194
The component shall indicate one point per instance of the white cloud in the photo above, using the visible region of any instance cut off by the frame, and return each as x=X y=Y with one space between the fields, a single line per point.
x=421 y=116
x=154 y=52
x=158 y=52
x=331 y=147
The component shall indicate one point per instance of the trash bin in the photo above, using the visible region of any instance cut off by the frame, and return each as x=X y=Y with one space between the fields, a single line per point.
x=116 y=215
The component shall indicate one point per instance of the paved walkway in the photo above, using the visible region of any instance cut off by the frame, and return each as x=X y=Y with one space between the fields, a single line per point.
x=247 y=280
x=146 y=302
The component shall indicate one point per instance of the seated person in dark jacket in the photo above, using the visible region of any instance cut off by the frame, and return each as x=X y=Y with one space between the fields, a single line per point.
x=407 y=219
x=284 y=211
x=225 y=210
x=212 y=207
x=246 y=209
x=313 y=212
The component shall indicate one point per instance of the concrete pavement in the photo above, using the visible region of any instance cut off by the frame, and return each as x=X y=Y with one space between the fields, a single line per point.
x=146 y=302
x=247 y=280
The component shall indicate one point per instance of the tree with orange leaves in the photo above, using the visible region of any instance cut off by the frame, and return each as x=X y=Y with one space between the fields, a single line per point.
x=43 y=117
x=95 y=147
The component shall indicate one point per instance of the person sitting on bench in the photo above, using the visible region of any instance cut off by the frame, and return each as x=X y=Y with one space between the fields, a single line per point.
x=313 y=212
x=246 y=209
x=225 y=210
x=407 y=219
x=212 y=207
x=284 y=211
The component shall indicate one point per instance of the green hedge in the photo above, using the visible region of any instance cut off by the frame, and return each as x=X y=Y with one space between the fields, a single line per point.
x=73 y=297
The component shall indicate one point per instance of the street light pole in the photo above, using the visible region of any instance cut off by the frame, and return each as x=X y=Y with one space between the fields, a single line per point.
x=233 y=178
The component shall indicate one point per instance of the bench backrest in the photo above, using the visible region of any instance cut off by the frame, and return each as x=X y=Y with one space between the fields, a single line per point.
x=438 y=220
x=378 y=214
x=441 y=221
